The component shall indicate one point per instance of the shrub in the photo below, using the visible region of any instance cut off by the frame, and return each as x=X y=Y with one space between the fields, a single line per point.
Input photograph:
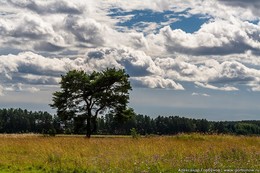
x=134 y=133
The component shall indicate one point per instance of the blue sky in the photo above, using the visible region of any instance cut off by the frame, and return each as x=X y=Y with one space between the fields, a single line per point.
x=198 y=59
x=140 y=19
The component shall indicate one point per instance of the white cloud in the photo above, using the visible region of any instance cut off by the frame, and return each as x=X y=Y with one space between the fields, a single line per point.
x=224 y=88
x=256 y=88
x=255 y=85
x=218 y=37
x=73 y=25
x=136 y=63
x=204 y=70
x=156 y=82
x=1 y=90
x=31 y=68
x=245 y=6
x=34 y=69
x=200 y=94
x=44 y=7
x=87 y=31
x=222 y=54
x=19 y=87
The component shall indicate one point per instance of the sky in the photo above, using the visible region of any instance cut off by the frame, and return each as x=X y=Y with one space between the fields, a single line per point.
x=190 y=58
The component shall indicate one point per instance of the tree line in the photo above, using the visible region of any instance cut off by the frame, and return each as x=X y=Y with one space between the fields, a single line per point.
x=24 y=121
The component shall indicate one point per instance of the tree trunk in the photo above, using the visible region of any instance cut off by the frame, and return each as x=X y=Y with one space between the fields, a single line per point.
x=94 y=124
x=88 y=124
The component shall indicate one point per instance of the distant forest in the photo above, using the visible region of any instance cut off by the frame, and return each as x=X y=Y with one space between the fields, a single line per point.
x=24 y=121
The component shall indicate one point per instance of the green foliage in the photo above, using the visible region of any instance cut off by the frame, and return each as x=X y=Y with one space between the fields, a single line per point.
x=52 y=132
x=246 y=128
x=172 y=125
x=134 y=133
x=49 y=132
x=83 y=96
x=24 y=121
x=238 y=128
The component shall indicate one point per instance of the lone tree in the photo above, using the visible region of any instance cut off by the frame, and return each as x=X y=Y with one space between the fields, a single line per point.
x=84 y=96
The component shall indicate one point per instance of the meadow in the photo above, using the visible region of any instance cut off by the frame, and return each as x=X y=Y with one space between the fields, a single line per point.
x=180 y=153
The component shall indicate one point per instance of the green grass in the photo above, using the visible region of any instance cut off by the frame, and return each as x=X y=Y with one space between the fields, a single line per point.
x=31 y=153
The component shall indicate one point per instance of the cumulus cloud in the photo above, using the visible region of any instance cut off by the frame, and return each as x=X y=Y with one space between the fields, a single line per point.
x=224 y=88
x=158 y=72
x=1 y=90
x=47 y=7
x=208 y=73
x=200 y=94
x=87 y=31
x=145 y=71
x=21 y=87
x=235 y=72
x=141 y=67
x=31 y=68
x=218 y=37
x=45 y=39
x=136 y=63
x=73 y=25
x=51 y=26
x=156 y=82
x=252 y=5
x=33 y=27
x=256 y=88
x=32 y=30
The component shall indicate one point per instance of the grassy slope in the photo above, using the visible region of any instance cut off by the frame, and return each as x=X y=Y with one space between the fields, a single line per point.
x=156 y=154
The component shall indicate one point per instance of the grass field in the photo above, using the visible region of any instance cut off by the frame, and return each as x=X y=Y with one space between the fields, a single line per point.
x=181 y=153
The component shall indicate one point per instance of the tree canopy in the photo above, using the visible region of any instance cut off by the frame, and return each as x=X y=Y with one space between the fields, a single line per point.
x=84 y=96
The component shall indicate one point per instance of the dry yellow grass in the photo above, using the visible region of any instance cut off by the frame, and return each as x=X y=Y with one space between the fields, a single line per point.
x=30 y=153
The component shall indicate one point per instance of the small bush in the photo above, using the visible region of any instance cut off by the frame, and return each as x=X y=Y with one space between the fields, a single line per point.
x=52 y=132
x=134 y=133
